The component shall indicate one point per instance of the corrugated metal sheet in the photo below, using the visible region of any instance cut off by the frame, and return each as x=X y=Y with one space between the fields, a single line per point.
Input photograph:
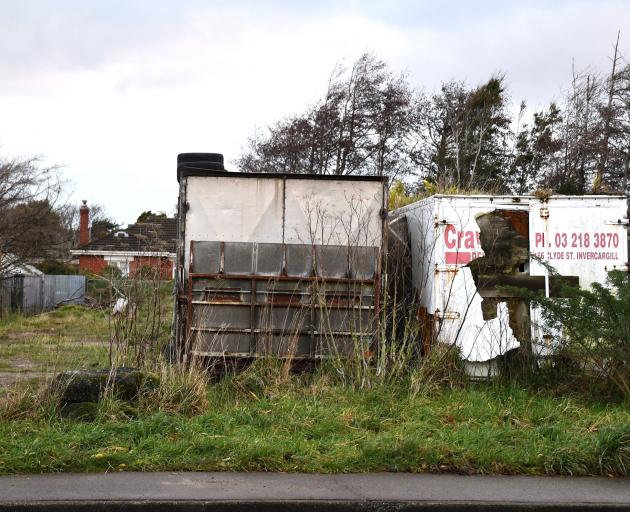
x=63 y=290
x=35 y=294
x=252 y=299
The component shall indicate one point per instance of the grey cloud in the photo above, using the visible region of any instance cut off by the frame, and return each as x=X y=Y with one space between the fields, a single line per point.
x=39 y=36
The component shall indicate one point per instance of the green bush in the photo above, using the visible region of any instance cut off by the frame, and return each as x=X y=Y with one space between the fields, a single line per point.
x=111 y=272
x=56 y=267
x=595 y=327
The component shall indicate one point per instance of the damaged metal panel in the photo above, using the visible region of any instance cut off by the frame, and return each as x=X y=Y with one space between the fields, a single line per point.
x=334 y=211
x=282 y=265
x=464 y=249
x=257 y=307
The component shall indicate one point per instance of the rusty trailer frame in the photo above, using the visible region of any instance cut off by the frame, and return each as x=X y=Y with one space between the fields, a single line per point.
x=246 y=291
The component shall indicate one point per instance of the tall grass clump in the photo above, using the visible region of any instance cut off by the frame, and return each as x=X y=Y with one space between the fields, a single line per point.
x=387 y=356
x=180 y=389
x=265 y=377
x=385 y=348
x=30 y=401
x=441 y=368
x=613 y=450
x=139 y=332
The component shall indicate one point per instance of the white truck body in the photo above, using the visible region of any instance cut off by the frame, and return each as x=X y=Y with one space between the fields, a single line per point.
x=583 y=236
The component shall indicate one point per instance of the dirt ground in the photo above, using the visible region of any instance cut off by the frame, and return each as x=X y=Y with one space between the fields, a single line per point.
x=35 y=348
x=11 y=378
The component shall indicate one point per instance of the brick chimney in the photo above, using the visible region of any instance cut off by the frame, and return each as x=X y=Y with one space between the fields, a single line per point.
x=84 y=222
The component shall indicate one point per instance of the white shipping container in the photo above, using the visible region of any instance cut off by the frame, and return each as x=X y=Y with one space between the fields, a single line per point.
x=583 y=237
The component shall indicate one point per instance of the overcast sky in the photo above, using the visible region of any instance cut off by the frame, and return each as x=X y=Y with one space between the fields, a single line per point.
x=113 y=90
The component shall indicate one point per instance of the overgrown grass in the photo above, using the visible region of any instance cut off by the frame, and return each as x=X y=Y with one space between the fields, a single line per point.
x=69 y=337
x=72 y=320
x=307 y=425
x=268 y=419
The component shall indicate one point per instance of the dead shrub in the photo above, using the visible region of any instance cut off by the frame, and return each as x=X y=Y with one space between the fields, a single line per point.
x=442 y=367
x=31 y=401
x=180 y=389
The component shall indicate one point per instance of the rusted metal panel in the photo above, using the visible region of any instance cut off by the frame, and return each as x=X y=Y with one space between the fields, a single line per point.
x=464 y=247
x=277 y=264
x=275 y=314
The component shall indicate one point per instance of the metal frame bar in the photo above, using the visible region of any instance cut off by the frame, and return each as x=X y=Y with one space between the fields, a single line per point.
x=351 y=295
x=245 y=277
x=281 y=332
x=283 y=306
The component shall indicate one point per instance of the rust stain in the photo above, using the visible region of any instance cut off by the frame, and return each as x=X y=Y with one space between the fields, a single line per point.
x=283 y=299
x=227 y=295
x=519 y=220
x=342 y=299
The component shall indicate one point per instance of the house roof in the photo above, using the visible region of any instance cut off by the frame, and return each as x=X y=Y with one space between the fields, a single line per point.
x=147 y=237
x=12 y=266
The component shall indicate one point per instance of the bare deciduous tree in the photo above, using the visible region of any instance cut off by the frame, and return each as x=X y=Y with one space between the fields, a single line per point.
x=361 y=126
x=371 y=122
x=28 y=197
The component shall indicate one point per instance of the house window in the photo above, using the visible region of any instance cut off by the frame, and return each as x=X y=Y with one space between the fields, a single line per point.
x=120 y=262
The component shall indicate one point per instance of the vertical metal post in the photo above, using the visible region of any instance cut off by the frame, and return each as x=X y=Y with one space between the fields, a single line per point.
x=253 y=345
x=42 y=285
x=546 y=283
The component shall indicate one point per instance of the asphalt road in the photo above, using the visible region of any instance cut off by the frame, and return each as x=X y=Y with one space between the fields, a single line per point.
x=284 y=492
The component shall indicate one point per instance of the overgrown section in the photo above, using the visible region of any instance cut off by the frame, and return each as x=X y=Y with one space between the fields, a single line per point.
x=385 y=409
x=268 y=418
x=305 y=424
x=37 y=346
x=592 y=330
